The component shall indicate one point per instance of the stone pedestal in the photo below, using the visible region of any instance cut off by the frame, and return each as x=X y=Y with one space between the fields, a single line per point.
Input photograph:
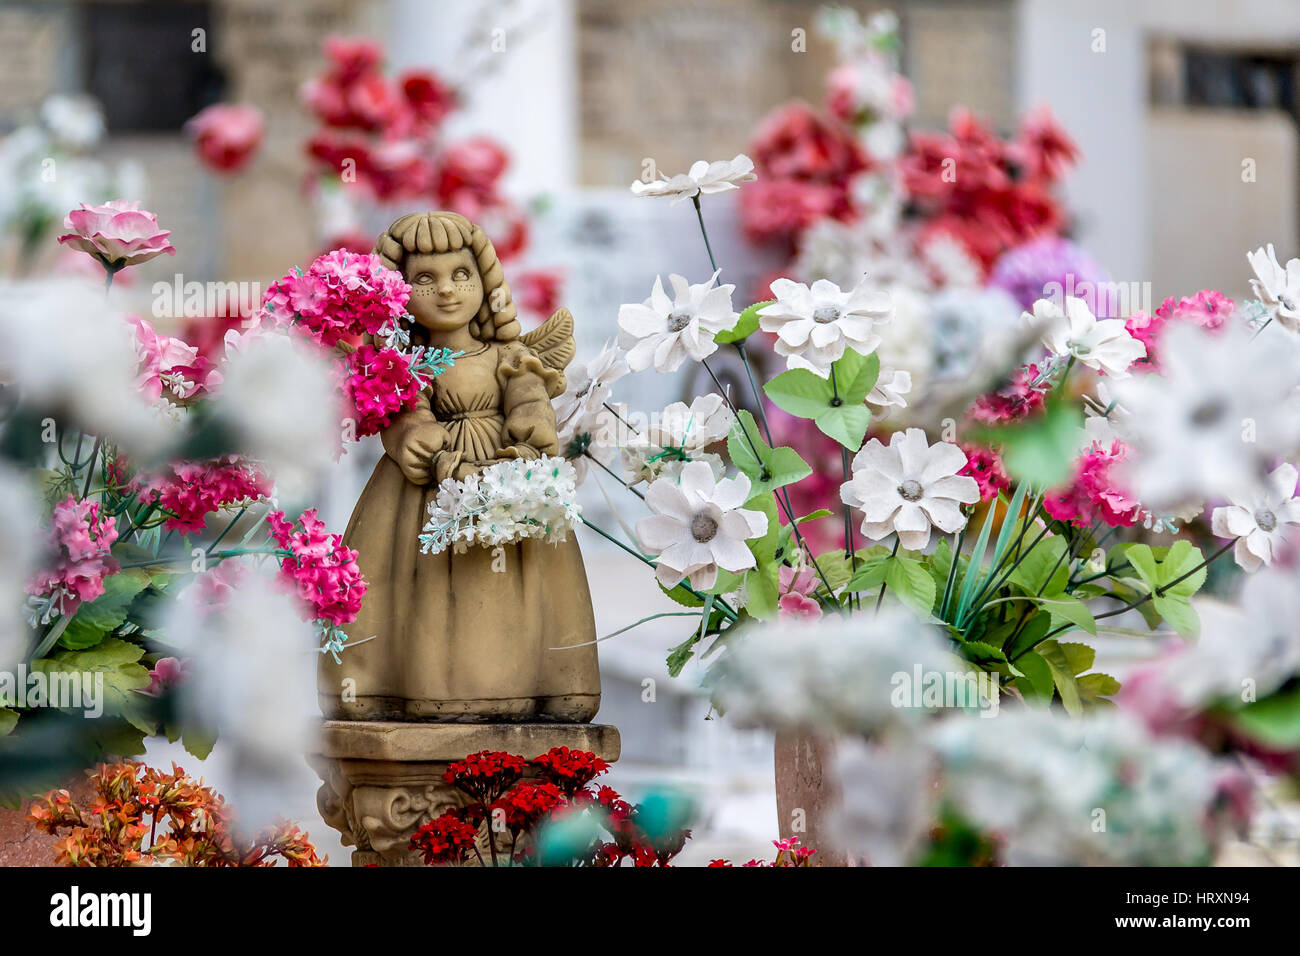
x=383 y=780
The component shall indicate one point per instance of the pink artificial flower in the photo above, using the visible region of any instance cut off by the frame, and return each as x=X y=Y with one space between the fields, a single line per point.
x=189 y=491
x=774 y=210
x=166 y=674
x=226 y=136
x=170 y=363
x=1093 y=495
x=985 y=466
x=796 y=587
x=1018 y=399
x=1208 y=309
x=379 y=384
x=428 y=98
x=474 y=165
x=538 y=291
x=1043 y=147
x=794 y=142
x=118 y=233
x=81 y=541
x=353 y=94
x=342 y=295
x=321 y=570
x=213 y=589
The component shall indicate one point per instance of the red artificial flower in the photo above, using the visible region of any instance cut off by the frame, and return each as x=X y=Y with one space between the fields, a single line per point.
x=487 y=774
x=447 y=839
x=570 y=770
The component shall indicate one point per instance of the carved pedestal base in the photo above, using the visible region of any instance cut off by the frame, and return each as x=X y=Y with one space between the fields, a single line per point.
x=383 y=780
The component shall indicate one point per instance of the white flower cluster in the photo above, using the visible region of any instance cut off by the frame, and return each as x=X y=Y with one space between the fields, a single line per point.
x=506 y=502
x=1099 y=790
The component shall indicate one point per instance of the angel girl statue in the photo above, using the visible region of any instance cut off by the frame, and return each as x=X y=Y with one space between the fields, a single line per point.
x=488 y=634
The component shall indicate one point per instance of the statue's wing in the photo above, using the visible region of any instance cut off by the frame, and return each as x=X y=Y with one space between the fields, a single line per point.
x=553 y=343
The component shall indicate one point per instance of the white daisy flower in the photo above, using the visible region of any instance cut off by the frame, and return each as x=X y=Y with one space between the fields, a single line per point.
x=909 y=486
x=891 y=385
x=699 y=526
x=664 y=331
x=680 y=435
x=1277 y=285
x=704 y=178
x=1104 y=346
x=1260 y=520
x=582 y=406
x=1219 y=411
x=815 y=325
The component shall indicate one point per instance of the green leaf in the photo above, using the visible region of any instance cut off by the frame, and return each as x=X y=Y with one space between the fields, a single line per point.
x=1041 y=450
x=838 y=409
x=869 y=575
x=981 y=653
x=909 y=580
x=847 y=424
x=800 y=392
x=1273 y=721
x=96 y=618
x=683 y=652
x=117 y=660
x=745 y=326
x=1030 y=634
x=764 y=547
x=762 y=591
x=1044 y=570
x=770 y=468
x=1178 y=613
x=1079 y=657
x=8 y=721
x=1037 y=681
x=682 y=596
x=199 y=742
x=1097 y=687
x=1073 y=610
x=1062 y=677
x=975 y=566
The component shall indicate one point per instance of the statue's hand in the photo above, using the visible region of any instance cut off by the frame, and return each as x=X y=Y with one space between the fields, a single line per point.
x=518 y=451
x=416 y=453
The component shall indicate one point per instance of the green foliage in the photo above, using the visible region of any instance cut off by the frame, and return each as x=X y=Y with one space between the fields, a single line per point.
x=836 y=404
x=1273 y=721
x=770 y=468
x=1158 y=569
x=118 y=661
x=1041 y=450
x=98 y=618
x=745 y=326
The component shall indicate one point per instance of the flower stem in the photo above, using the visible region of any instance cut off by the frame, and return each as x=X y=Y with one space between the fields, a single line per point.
x=607 y=470
x=883 y=585
x=699 y=214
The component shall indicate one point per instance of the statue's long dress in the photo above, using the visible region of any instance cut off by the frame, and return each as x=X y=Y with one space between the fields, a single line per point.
x=468 y=636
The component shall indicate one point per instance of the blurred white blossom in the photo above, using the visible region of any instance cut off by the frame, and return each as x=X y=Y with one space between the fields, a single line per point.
x=703 y=178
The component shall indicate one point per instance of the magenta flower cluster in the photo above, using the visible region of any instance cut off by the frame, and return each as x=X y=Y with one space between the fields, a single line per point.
x=341 y=296
x=189 y=491
x=320 y=569
x=379 y=384
x=80 y=539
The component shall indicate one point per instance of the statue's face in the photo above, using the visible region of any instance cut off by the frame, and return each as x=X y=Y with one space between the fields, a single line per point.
x=446 y=289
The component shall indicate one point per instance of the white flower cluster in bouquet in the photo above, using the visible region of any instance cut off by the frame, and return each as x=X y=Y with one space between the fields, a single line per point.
x=506 y=502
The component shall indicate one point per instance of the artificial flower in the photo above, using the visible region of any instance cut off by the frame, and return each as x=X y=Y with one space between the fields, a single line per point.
x=815 y=325
x=909 y=486
x=189 y=491
x=1105 y=346
x=699 y=526
x=321 y=570
x=1261 y=520
x=891 y=385
x=703 y=178
x=1094 y=493
x=797 y=587
x=512 y=500
x=664 y=331
x=984 y=465
x=1276 y=285
x=81 y=539
x=226 y=136
x=1220 y=408
x=118 y=233
x=679 y=434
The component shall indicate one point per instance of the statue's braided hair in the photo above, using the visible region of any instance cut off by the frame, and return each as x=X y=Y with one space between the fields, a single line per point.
x=434 y=232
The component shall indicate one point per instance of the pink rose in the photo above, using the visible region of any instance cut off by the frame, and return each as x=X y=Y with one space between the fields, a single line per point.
x=118 y=233
x=226 y=136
